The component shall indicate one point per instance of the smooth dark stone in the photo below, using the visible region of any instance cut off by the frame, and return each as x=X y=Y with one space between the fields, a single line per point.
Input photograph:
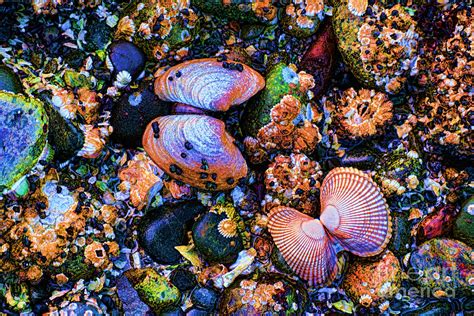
x=211 y=244
x=126 y=56
x=9 y=80
x=64 y=137
x=161 y=229
x=205 y=298
x=132 y=113
x=183 y=279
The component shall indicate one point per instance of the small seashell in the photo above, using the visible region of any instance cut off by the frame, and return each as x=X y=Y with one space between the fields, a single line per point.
x=209 y=84
x=123 y=79
x=196 y=150
x=354 y=211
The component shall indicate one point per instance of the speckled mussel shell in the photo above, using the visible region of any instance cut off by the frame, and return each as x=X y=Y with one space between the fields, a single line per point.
x=195 y=149
x=209 y=84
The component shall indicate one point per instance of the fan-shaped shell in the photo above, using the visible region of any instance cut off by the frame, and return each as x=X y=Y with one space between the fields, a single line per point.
x=304 y=244
x=207 y=84
x=354 y=211
x=195 y=149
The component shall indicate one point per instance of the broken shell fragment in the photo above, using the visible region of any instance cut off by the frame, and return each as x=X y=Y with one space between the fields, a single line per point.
x=195 y=149
x=209 y=84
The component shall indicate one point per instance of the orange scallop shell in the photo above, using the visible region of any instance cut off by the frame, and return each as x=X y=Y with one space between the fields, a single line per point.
x=304 y=244
x=195 y=149
x=206 y=84
x=354 y=211
x=354 y=215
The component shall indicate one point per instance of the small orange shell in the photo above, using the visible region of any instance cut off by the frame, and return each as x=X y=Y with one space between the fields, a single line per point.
x=354 y=211
x=206 y=84
x=195 y=149
x=304 y=244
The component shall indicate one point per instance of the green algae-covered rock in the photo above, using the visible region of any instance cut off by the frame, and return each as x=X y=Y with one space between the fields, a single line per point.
x=9 y=80
x=396 y=171
x=346 y=27
x=174 y=27
x=64 y=137
x=464 y=226
x=280 y=81
x=279 y=262
x=74 y=79
x=216 y=237
x=374 y=58
x=443 y=264
x=401 y=234
x=23 y=132
x=238 y=10
x=154 y=290
x=291 y=26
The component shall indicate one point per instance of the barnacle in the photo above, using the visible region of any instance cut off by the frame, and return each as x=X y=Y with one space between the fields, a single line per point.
x=227 y=228
x=138 y=177
x=285 y=131
x=388 y=47
x=446 y=115
x=363 y=113
x=292 y=181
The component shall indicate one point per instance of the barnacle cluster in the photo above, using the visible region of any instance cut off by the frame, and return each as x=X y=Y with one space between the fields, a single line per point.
x=446 y=116
x=362 y=113
x=304 y=12
x=388 y=44
x=43 y=236
x=138 y=176
x=292 y=181
x=288 y=129
x=158 y=25
x=259 y=295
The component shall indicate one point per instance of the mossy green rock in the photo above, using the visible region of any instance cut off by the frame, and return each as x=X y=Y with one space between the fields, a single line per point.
x=398 y=165
x=23 y=132
x=443 y=264
x=401 y=235
x=211 y=243
x=280 y=81
x=74 y=79
x=464 y=226
x=9 y=80
x=153 y=289
x=237 y=10
x=346 y=27
x=180 y=34
x=291 y=27
x=64 y=137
